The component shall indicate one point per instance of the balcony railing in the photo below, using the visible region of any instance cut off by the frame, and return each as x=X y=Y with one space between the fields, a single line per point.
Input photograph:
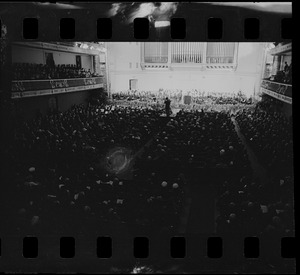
x=156 y=59
x=219 y=60
x=277 y=90
x=28 y=88
x=186 y=59
x=280 y=49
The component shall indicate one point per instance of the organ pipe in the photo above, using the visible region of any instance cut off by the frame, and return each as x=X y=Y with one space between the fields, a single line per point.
x=193 y=52
x=181 y=52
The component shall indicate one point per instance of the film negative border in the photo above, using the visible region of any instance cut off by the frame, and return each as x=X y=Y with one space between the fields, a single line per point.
x=204 y=23
x=91 y=23
x=214 y=28
x=71 y=254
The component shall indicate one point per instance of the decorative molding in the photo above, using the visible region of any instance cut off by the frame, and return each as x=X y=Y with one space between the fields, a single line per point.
x=15 y=95
x=57 y=47
x=34 y=85
x=221 y=66
x=30 y=88
x=191 y=66
x=280 y=49
x=155 y=66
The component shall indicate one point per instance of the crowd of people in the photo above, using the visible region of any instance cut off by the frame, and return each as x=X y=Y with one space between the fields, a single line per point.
x=270 y=135
x=208 y=139
x=217 y=98
x=63 y=177
x=253 y=208
x=32 y=71
x=283 y=76
x=148 y=96
x=248 y=205
x=199 y=99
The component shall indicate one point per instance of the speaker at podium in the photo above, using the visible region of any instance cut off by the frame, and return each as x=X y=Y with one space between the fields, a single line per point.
x=187 y=99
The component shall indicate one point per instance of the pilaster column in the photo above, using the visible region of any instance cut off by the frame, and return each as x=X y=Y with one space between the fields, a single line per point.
x=204 y=49
x=204 y=53
x=169 y=53
x=142 y=52
x=235 y=59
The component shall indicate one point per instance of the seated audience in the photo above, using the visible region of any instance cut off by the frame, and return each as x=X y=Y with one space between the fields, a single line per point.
x=31 y=71
x=270 y=135
x=283 y=76
x=100 y=167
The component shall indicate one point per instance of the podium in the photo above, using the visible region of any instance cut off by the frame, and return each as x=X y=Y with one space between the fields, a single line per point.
x=187 y=99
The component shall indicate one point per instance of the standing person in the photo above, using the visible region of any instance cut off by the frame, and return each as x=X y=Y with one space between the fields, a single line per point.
x=167 y=106
x=286 y=67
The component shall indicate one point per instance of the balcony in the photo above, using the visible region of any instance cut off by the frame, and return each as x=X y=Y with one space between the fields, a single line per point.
x=281 y=49
x=277 y=90
x=30 y=88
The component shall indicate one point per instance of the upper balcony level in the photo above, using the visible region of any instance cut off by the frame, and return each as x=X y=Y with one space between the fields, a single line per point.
x=50 y=68
x=69 y=47
x=281 y=49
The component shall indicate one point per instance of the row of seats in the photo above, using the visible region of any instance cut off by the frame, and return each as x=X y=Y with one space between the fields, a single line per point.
x=32 y=71
x=63 y=173
x=65 y=177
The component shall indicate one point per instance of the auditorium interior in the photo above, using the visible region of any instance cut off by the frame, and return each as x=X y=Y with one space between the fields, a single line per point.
x=93 y=148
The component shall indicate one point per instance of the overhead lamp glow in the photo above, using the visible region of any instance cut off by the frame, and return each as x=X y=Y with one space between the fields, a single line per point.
x=84 y=46
x=160 y=24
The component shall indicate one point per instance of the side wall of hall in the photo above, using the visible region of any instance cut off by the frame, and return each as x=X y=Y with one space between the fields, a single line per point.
x=28 y=107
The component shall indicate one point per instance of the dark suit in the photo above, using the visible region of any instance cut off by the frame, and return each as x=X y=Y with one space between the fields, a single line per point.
x=167 y=106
